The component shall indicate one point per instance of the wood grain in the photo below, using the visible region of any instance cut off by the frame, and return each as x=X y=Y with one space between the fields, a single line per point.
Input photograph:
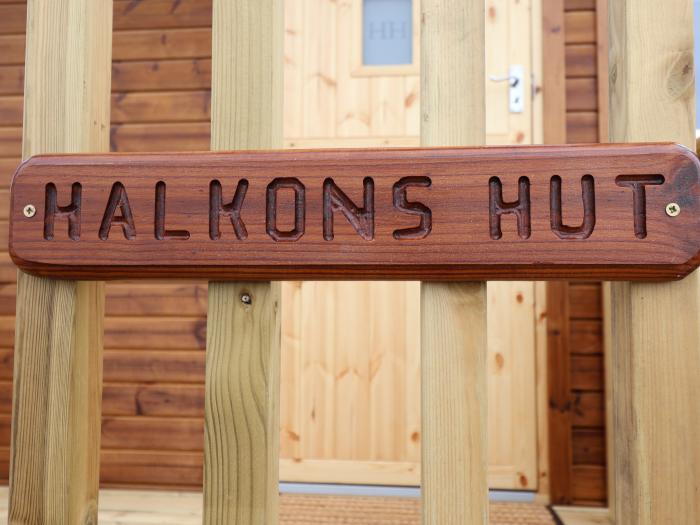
x=454 y=396
x=54 y=472
x=241 y=467
x=439 y=228
x=655 y=360
x=242 y=400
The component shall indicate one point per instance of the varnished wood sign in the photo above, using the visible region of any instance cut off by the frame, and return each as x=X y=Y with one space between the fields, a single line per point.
x=608 y=212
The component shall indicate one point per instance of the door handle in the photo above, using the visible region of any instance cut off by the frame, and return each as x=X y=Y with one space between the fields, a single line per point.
x=516 y=83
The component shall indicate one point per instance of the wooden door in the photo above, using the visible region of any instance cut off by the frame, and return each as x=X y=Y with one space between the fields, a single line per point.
x=350 y=357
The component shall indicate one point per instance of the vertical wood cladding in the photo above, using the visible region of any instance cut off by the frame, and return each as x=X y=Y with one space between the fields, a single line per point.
x=575 y=340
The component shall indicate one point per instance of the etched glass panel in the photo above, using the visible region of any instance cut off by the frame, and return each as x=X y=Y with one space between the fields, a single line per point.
x=387 y=28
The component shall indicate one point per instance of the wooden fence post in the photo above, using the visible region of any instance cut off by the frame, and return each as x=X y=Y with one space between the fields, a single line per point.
x=453 y=315
x=241 y=466
x=54 y=465
x=656 y=338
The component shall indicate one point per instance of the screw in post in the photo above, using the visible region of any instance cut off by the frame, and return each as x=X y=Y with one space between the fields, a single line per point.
x=246 y=299
x=29 y=211
x=673 y=209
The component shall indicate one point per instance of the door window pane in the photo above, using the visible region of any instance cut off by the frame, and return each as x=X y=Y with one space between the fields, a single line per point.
x=387 y=27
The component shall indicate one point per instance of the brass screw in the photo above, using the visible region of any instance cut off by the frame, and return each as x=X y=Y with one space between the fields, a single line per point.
x=246 y=299
x=672 y=209
x=29 y=211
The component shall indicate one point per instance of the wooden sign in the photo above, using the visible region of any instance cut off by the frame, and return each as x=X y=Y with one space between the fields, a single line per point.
x=592 y=212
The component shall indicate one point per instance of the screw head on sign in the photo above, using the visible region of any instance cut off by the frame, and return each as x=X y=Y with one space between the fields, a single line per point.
x=29 y=211
x=246 y=299
x=673 y=209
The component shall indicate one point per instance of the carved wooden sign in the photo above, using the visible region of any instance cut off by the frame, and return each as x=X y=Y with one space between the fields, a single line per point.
x=609 y=212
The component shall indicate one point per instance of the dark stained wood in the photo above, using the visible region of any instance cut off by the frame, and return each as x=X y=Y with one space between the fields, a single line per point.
x=589 y=409
x=8 y=165
x=586 y=301
x=8 y=271
x=11 y=80
x=278 y=226
x=129 y=14
x=149 y=400
x=188 y=136
x=582 y=127
x=581 y=61
x=143 y=367
x=579 y=5
x=559 y=392
x=589 y=446
x=589 y=485
x=178 y=106
x=155 y=75
x=582 y=94
x=12 y=49
x=587 y=372
x=145 y=433
x=580 y=27
x=153 y=44
x=150 y=468
x=10 y=142
x=586 y=337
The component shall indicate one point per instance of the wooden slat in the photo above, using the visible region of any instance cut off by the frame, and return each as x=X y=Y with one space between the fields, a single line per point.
x=154 y=75
x=241 y=461
x=588 y=446
x=554 y=72
x=588 y=484
x=581 y=61
x=6 y=363
x=586 y=301
x=4 y=236
x=193 y=136
x=175 y=106
x=170 y=333
x=588 y=409
x=161 y=13
x=13 y=18
x=156 y=44
x=12 y=49
x=58 y=353
x=10 y=141
x=586 y=337
x=582 y=127
x=11 y=80
x=580 y=5
x=8 y=294
x=655 y=358
x=8 y=271
x=150 y=400
x=8 y=165
x=587 y=372
x=5 y=397
x=4 y=209
x=453 y=316
x=580 y=27
x=559 y=392
x=148 y=366
x=153 y=433
x=11 y=110
x=176 y=299
x=152 y=468
x=603 y=67
x=581 y=94
x=129 y=14
x=136 y=366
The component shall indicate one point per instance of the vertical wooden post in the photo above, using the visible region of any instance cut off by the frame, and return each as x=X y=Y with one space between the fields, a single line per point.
x=241 y=466
x=453 y=316
x=54 y=465
x=655 y=327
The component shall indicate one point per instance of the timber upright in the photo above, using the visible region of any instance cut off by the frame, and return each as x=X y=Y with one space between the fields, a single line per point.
x=453 y=217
